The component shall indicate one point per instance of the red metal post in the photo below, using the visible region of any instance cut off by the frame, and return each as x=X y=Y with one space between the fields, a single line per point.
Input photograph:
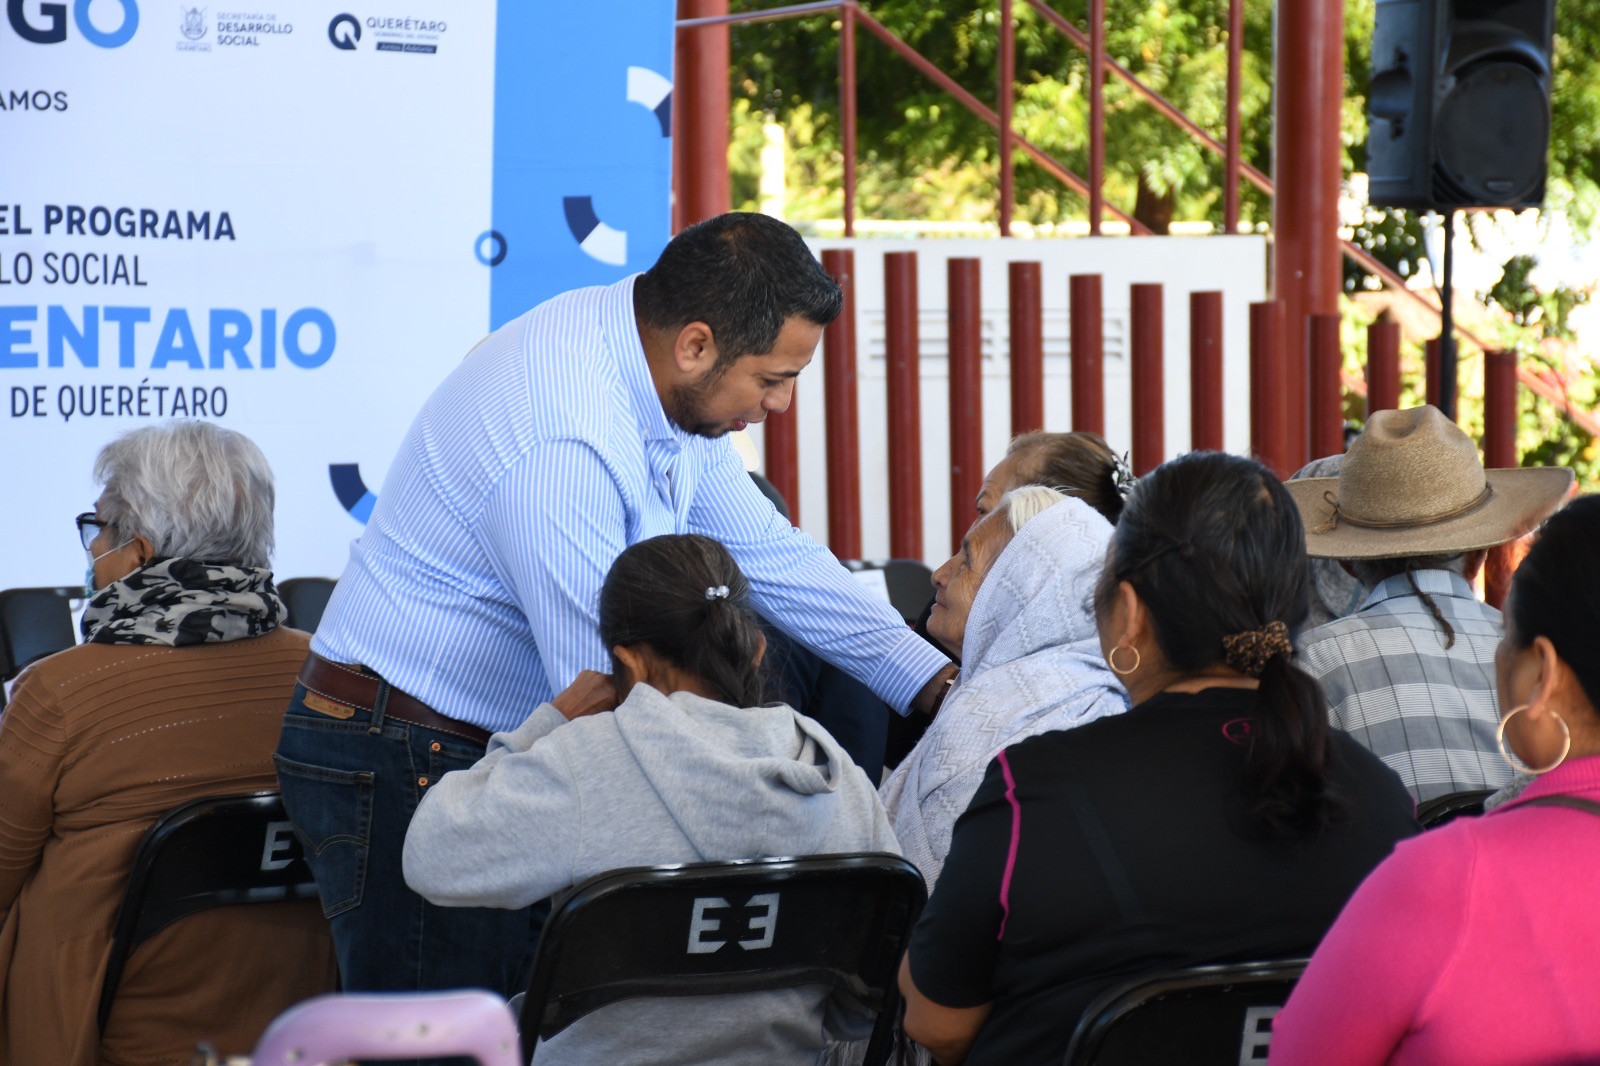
x=1147 y=372
x=1097 y=114
x=1308 y=87
x=1230 y=174
x=1026 y=296
x=1430 y=370
x=1499 y=451
x=904 y=388
x=840 y=419
x=966 y=393
x=1327 y=390
x=1205 y=371
x=700 y=117
x=1383 y=366
x=1007 y=95
x=1269 y=429
x=781 y=449
x=1087 y=328
x=847 y=104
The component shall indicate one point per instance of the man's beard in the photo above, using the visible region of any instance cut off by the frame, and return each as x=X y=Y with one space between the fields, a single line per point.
x=686 y=405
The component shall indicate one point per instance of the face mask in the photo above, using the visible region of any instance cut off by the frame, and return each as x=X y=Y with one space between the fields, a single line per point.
x=89 y=587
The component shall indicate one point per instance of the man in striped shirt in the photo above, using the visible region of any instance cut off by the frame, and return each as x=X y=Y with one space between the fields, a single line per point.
x=594 y=421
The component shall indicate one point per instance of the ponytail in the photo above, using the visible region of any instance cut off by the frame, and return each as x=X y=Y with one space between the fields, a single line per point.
x=1287 y=770
x=684 y=596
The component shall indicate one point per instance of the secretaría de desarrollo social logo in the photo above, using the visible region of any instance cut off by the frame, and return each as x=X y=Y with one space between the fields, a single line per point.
x=49 y=24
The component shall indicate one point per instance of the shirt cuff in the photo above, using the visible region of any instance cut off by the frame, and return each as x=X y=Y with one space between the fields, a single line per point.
x=902 y=673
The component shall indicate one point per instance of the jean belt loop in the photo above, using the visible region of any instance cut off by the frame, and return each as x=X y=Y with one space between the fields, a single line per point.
x=380 y=705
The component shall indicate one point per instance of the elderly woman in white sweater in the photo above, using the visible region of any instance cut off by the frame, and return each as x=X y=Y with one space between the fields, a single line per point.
x=1018 y=601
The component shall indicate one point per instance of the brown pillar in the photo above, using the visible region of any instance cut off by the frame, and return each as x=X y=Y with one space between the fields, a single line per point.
x=700 y=117
x=1308 y=54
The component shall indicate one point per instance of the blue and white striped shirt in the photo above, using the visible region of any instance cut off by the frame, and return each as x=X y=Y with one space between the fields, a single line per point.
x=476 y=584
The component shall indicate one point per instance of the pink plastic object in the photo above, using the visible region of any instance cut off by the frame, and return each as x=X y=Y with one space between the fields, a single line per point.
x=398 y=1026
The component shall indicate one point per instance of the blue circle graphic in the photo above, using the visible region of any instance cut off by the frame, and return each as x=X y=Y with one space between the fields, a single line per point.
x=498 y=240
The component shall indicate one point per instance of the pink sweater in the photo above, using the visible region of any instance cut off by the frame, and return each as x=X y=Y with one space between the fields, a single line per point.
x=1478 y=942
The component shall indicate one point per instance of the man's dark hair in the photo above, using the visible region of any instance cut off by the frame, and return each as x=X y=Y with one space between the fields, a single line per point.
x=742 y=274
x=1214 y=546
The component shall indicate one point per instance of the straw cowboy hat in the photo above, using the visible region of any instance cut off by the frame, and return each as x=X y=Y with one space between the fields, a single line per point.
x=1412 y=484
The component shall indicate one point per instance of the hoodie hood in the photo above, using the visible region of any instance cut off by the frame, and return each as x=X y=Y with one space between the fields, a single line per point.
x=1040 y=591
x=736 y=779
x=1031 y=663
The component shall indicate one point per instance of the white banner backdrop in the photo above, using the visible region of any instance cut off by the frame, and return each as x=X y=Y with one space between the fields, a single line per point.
x=294 y=220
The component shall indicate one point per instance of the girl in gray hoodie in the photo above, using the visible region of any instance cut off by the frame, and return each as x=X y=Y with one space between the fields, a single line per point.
x=687 y=767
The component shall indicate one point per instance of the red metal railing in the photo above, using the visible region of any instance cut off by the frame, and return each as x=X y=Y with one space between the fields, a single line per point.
x=1289 y=359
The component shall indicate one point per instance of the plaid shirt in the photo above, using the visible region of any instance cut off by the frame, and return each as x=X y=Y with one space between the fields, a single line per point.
x=1428 y=711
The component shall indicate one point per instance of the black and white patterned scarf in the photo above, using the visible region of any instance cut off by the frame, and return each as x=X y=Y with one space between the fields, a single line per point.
x=182 y=601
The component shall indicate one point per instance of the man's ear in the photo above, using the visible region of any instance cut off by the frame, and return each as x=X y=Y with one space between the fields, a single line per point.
x=694 y=350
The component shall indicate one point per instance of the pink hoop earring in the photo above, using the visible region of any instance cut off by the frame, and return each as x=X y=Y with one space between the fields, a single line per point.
x=1517 y=764
x=1112 y=660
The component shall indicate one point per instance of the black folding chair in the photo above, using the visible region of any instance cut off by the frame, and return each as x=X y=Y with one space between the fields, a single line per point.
x=306 y=598
x=214 y=852
x=836 y=920
x=1449 y=807
x=34 y=623
x=1203 y=1016
x=909 y=581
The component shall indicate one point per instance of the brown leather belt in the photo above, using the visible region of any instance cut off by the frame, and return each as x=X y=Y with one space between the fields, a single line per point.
x=350 y=687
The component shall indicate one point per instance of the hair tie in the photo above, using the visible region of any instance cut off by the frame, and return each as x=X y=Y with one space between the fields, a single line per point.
x=1250 y=651
x=717 y=592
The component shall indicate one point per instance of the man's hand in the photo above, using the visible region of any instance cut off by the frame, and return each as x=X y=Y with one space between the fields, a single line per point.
x=590 y=693
x=932 y=694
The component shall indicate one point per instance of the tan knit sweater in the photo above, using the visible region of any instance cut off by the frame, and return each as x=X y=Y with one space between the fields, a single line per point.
x=97 y=742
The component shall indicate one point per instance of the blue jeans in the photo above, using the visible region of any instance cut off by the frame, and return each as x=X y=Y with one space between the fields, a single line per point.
x=351 y=786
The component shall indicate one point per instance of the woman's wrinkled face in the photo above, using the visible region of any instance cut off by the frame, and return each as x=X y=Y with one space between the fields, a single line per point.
x=956 y=583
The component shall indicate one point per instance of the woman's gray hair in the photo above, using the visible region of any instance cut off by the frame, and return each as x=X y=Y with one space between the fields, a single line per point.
x=193 y=489
x=1026 y=502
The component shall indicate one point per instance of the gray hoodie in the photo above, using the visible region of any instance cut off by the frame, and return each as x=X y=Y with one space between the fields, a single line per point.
x=659 y=780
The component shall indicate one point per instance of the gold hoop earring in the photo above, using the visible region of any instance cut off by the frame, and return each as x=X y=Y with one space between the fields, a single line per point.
x=1112 y=660
x=1517 y=764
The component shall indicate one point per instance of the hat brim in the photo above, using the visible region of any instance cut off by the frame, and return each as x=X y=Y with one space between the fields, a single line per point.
x=1519 y=499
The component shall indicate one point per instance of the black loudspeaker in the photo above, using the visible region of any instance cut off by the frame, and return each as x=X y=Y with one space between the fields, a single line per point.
x=1459 y=111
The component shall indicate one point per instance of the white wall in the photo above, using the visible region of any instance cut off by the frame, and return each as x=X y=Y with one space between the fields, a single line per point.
x=1237 y=266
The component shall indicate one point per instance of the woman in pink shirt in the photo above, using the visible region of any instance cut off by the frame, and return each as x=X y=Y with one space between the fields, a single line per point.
x=1477 y=942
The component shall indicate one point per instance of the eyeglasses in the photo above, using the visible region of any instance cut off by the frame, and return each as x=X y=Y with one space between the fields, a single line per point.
x=89 y=528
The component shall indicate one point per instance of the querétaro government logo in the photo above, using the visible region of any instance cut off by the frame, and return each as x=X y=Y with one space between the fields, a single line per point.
x=344 y=31
x=52 y=25
x=193 y=25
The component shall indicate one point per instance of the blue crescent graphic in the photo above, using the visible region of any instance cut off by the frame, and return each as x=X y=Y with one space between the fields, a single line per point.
x=598 y=240
x=352 y=491
x=654 y=92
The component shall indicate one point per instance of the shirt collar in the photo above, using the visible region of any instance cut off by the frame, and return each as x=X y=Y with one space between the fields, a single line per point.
x=622 y=334
x=1433 y=582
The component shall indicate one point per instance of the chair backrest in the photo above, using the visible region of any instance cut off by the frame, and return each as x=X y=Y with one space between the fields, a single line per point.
x=909 y=581
x=213 y=852
x=1448 y=808
x=1203 y=1016
x=367 y=1026
x=34 y=622
x=306 y=598
x=718 y=928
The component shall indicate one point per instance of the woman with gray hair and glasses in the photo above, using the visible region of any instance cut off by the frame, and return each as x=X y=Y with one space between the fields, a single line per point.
x=176 y=694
